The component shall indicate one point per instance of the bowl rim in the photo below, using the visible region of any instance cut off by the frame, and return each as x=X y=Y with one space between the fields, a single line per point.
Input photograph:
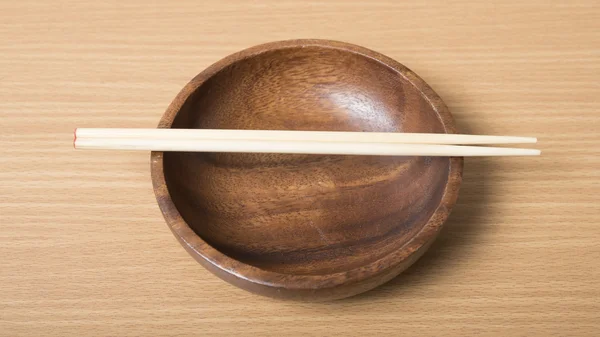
x=208 y=255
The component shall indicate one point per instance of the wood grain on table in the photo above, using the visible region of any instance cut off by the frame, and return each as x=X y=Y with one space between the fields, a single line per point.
x=84 y=250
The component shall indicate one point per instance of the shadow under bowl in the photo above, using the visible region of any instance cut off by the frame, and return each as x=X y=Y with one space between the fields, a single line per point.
x=309 y=227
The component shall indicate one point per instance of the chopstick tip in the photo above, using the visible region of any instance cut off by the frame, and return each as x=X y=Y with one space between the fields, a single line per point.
x=534 y=152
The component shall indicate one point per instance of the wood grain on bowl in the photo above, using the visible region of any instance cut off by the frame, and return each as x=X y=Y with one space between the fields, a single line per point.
x=311 y=227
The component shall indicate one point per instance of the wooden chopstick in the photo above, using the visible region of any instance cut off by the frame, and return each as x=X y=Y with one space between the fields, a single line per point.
x=304 y=147
x=310 y=136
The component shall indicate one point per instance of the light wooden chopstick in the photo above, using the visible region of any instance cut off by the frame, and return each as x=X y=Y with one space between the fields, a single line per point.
x=262 y=141
x=312 y=136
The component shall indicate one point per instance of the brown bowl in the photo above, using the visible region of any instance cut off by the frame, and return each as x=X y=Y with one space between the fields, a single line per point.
x=312 y=227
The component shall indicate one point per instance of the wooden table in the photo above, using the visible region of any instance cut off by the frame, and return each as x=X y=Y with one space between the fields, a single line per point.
x=84 y=250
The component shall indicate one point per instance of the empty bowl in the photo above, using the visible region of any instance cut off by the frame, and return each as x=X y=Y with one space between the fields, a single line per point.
x=307 y=227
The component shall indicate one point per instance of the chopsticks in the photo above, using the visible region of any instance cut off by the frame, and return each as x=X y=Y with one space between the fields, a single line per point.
x=306 y=142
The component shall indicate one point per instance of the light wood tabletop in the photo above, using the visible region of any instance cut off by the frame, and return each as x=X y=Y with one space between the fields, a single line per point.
x=84 y=250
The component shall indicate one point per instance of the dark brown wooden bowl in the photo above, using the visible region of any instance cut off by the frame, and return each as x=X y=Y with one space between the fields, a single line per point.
x=312 y=227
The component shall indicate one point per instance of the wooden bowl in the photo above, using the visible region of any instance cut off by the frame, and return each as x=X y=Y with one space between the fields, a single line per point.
x=310 y=227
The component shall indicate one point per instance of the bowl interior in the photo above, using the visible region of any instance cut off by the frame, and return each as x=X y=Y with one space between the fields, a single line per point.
x=306 y=214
